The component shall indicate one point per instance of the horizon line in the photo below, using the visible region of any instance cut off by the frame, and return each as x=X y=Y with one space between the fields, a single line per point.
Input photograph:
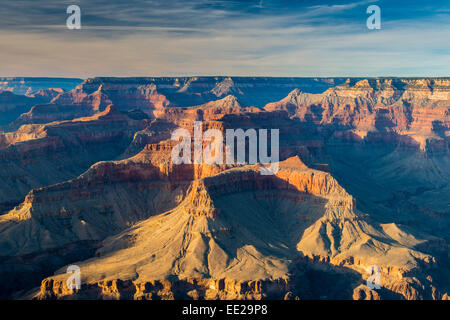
x=224 y=76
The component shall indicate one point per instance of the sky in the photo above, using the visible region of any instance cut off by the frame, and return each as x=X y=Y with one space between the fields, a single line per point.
x=293 y=38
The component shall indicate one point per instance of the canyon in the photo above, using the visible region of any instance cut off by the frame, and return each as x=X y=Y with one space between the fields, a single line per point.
x=88 y=179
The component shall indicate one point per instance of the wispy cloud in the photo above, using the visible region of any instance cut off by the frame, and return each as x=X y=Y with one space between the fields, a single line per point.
x=277 y=37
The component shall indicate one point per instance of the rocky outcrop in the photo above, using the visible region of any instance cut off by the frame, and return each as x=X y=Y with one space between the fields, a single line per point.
x=213 y=110
x=192 y=289
x=12 y=106
x=152 y=95
x=47 y=94
x=364 y=293
x=205 y=238
x=396 y=109
x=149 y=181
x=22 y=86
x=40 y=155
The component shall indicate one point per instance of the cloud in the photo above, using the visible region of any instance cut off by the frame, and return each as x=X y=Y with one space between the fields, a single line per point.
x=334 y=8
x=142 y=38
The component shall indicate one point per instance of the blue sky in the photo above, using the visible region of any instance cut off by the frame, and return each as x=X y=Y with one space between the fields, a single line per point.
x=218 y=37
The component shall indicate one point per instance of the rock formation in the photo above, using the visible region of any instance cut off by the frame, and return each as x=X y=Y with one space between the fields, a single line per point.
x=363 y=180
x=414 y=109
x=39 y=155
